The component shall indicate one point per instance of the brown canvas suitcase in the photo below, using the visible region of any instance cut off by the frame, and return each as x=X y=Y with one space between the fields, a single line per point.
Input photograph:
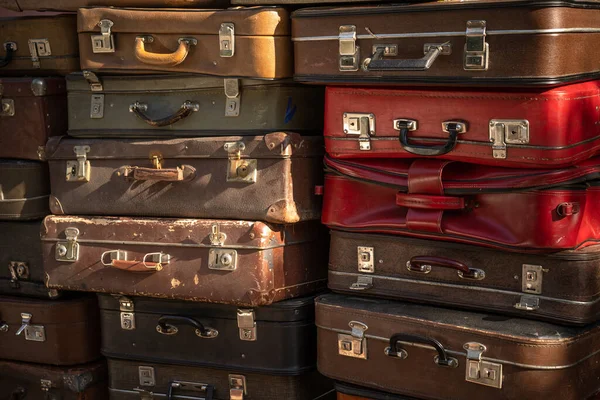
x=74 y=5
x=499 y=42
x=59 y=332
x=237 y=42
x=25 y=381
x=561 y=287
x=33 y=109
x=237 y=262
x=39 y=46
x=24 y=189
x=267 y=178
x=437 y=353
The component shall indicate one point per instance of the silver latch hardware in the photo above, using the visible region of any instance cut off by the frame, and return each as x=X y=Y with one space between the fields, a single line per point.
x=362 y=283
x=97 y=100
x=365 y=259
x=146 y=375
x=105 y=42
x=127 y=313
x=355 y=344
x=68 y=251
x=227 y=39
x=238 y=169
x=144 y=394
x=349 y=51
x=45 y=385
x=93 y=81
x=222 y=259
x=216 y=237
x=39 y=48
x=528 y=303
x=532 y=278
x=479 y=371
x=507 y=131
x=8 y=107
x=237 y=387
x=246 y=324
x=232 y=97
x=361 y=125
x=79 y=171
x=476 y=53
x=35 y=333
x=19 y=270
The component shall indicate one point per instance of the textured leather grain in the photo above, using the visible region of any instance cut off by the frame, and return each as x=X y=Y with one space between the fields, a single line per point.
x=74 y=5
x=24 y=190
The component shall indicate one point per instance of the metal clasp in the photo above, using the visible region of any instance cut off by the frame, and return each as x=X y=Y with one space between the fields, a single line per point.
x=481 y=372
x=127 y=313
x=146 y=375
x=476 y=53
x=79 y=171
x=362 y=283
x=18 y=271
x=532 y=277
x=507 y=131
x=8 y=105
x=365 y=259
x=39 y=48
x=349 y=51
x=246 y=324
x=97 y=101
x=222 y=259
x=361 y=125
x=237 y=387
x=227 y=39
x=45 y=385
x=105 y=42
x=238 y=169
x=68 y=251
x=233 y=98
x=35 y=333
x=528 y=303
x=355 y=344
x=216 y=237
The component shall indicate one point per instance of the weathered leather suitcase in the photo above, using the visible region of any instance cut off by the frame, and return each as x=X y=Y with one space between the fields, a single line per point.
x=224 y=261
x=188 y=105
x=131 y=380
x=353 y=392
x=32 y=110
x=24 y=189
x=531 y=128
x=560 y=287
x=237 y=42
x=449 y=42
x=24 y=381
x=211 y=335
x=428 y=352
x=39 y=46
x=267 y=178
x=74 y=5
x=59 y=332
x=521 y=210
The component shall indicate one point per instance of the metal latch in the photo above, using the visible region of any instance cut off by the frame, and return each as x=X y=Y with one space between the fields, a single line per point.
x=105 y=42
x=146 y=375
x=528 y=303
x=481 y=372
x=362 y=283
x=361 y=125
x=365 y=259
x=233 y=98
x=45 y=385
x=35 y=333
x=127 y=313
x=227 y=39
x=216 y=237
x=238 y=169
x=222 y=259
x=349 y=51
x=355 y=344
x=39 y=48
x=68 y=251
x=97 y=100
x=476 y=54
x=18 y=271
x=79 y=171
x=237 y=387
x=246 y=324
x=507 y=131
x=8 y=105
x=532 y=278
x=144 y=394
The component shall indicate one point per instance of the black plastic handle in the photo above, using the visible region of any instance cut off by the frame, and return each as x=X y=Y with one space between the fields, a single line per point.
x=186 y=109
x=428 y=150
x=442 y=358
x=206 y=390
x=8 y=57
x=178 y=320
x=378 y=63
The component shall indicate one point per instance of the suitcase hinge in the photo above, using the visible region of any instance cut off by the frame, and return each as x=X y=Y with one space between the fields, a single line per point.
x=349 y=51
x=8 y=105
x=18 y=271
x=507 y=131
x=35 y=333
x=237 y=387
x=246 y=324
x=238 y=169
x=361 y=125
x=476 y=54
x=233 y=97
x=355 y=344
x=97 y=102
x=105 y=42
x=127 y=313
x=79 y=171
x=362 y=283
x=39 y=48
x=68 y=251
x=528 y=303
x=227 y=39
x=222 y=259
x=479 y=371
x=365 y=259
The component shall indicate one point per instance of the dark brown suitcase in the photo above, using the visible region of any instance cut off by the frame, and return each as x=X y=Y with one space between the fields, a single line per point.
x=353 y=392
x=236 y=262
x=39 y=46
x=267 y=178
x=59 y=332
x=479 y=43
x=24 y=189
x=132 y=380
x=74 y=5
x=437 y=353
x=24 y=381
x=33 y=109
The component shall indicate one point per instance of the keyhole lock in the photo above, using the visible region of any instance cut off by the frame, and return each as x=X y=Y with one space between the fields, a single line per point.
x=226 y=259
x=243 y=170
x=62 y=250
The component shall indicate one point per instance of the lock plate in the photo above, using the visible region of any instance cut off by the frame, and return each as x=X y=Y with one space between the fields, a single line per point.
x=79 y=171
x=97 y=106
x=39 y=48
x=222 y=259
x=127 y=313
x=237 y=387
x=68 y=251
x=476 y=52
x=361 y=125
x=532 y=278
x=232 y=97
x=105 y=42
x=8 y=108
x=246 y=324
x=349 y=52
x=365 y=259
x=507 y=131
x=19 y=271
x=480 y=371
x=35 y=333
x=355 y=344
x=146 y=375
x=238 y=169
x=227 y=39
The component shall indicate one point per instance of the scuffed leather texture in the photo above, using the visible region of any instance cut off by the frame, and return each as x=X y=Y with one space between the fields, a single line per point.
x=514 y=210
x=24 y=189
x=262 y=40
x=555 y=139
x=530 y=343
x=552 y=59
x=74 y=5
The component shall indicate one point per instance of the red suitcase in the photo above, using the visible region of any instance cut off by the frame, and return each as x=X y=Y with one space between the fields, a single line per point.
x=535 y=210
x=529 y=128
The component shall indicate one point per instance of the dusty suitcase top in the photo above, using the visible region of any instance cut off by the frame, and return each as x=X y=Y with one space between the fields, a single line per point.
x=74 y=5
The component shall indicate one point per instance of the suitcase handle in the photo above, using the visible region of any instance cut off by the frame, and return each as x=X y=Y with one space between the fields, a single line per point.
x=118 y=260
x=10 y=48
x=166 y=326
x=163 y=59
x=186 y=109
x=178 y=174
x=205 y=389
x=429 y=202
x=441 y=359
x=453 y=128
x=432 y=51
x=424 y=264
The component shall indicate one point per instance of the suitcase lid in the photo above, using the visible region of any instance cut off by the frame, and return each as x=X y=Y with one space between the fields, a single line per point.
x=44 y=312
x=32 y=87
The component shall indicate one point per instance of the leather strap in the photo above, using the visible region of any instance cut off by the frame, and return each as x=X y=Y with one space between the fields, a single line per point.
x=428 y=202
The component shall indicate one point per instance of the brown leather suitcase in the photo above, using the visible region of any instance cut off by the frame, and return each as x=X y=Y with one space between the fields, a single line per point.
x=25 y=381
x=267 y=178
x=479 y=43
x=33 y=109
x=74 y=5
x=39 y=46
x=437 y=353
x=24 y=189
x=59 y=332
x=238 y=42
x=236 y=262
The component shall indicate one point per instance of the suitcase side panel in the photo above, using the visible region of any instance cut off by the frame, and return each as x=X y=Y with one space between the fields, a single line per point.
x=25 y=190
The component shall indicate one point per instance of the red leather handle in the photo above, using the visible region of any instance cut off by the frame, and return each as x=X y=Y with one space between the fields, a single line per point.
x=134 y=266
x=428 y=202
x=417 y=262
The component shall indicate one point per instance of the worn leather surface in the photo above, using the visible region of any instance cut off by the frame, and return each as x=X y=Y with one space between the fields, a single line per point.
x=74 y=5
x=552 y=59
x=511 y=209
x=262 y=41
x=352 y=392
x=554 y=138
x=506 y=339
x=24 y=189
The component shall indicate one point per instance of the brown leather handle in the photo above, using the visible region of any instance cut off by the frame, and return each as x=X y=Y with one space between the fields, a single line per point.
x=118 y=259
x=178 y=174
x=134 y=266
x=424 y=264
x=186 y=109
x=166 y=60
